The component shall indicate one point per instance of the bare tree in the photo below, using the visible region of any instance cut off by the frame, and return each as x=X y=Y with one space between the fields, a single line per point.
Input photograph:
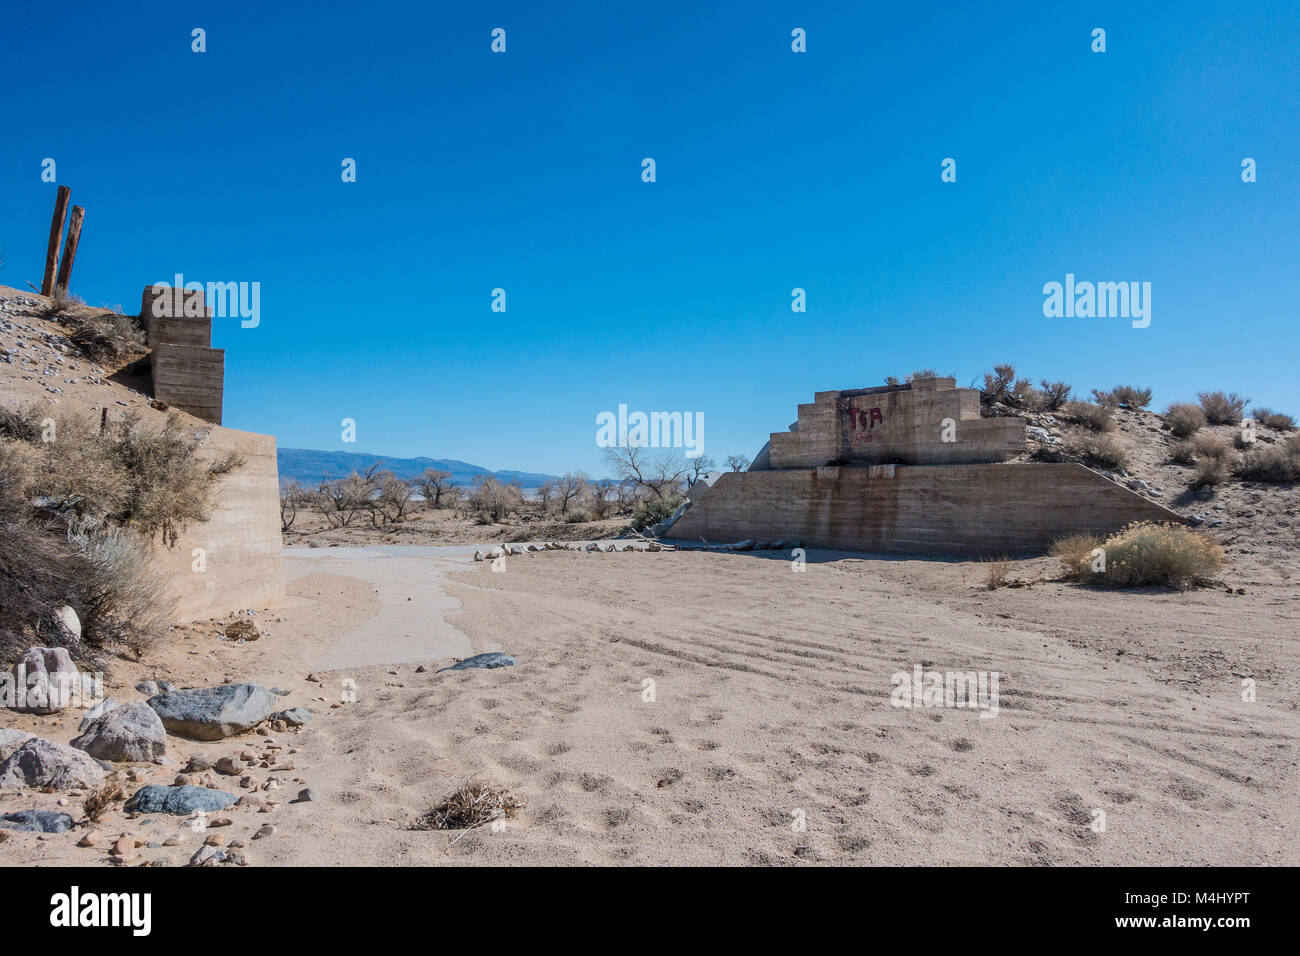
x=738 y=462
x=700 y=466
x=392 y=499
x=569 y=488
x=433 y=484
x=660 y=475
x=494 y=499
x=602 y=492
x=292 y=496
x=545 y=492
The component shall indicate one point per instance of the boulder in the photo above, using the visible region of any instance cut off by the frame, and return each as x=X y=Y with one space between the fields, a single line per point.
x=46 y=679
x=133 y=732
x=43 y=763
x=211 y=713
x=11 y=740
x=148 y=687
x=37 y=821
x=294 y=716
x=65 y=618
x=181 y=801
x=493 y=659
x=99 y=710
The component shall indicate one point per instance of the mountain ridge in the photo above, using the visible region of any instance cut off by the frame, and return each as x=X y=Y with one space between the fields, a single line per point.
x=311 y=465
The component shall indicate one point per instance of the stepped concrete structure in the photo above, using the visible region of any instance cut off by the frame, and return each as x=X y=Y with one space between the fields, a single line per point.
x=231 y=561
x=186 y=371
x=908 y=469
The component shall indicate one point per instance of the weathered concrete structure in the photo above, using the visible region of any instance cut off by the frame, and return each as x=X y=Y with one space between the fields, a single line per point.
x=233 y=560
x=909 y=469
x=186 y=371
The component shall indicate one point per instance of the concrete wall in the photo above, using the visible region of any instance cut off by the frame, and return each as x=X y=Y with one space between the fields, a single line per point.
x=960 y=510
x=902 y=424
x=191 y=379
x=187 y=373
x=241 y=543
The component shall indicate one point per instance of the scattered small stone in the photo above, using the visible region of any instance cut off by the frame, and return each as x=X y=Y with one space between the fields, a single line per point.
x=307 y=795
x=265 y=831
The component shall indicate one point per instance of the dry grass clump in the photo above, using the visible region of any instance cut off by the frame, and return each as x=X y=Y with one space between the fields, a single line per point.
x=1185 y=419
x=1182 y=453
x=1128 y=396
x=995 y=572
x=1271 y=419
x=101 y=799
x=1141 y=554
x=1276 y=463
x=1222 y=409
x=1095 y=417
x=1100 y=450
x=473 y=804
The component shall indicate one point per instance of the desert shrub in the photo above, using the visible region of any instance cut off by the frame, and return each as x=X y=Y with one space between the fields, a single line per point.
x=653 y=511
x=1211 y=446
x=998 y=384
x=1146 y=553
x=579 y=516
x=1271 y=419
x=1024 y=395
x=169 y=484
x=105 y=336
x=1210 y=473
x=1055 y=394
x=1275 y=463
x=19 y=425
x=124 y=599
x=1185 y=419
x=1221 y=409
x=925 y=373
x=1183 y=453
x=1092 y=416
x=1098 y=449
x=1128 y=396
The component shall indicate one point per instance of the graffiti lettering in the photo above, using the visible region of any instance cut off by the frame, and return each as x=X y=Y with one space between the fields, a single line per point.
x=867 y=420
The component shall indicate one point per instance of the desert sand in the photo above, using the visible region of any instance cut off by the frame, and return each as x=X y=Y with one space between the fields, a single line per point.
x=771 y=705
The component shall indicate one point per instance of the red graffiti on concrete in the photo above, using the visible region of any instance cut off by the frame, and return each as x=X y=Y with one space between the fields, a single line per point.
x=861 y=421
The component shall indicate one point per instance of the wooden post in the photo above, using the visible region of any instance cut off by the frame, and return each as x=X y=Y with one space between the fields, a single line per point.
x=70 y=250
x=56 y=239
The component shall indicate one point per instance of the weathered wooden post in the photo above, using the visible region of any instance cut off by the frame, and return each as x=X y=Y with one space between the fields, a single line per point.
x=56 y=239
x=70 y=250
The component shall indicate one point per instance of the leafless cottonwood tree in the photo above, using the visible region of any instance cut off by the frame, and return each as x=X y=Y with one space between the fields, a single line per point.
x=660 y=475
x=738 y=462
x=569 y=488
x=433 y=485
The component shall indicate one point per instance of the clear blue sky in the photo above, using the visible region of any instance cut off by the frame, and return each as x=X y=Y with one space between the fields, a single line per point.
x=775 y=170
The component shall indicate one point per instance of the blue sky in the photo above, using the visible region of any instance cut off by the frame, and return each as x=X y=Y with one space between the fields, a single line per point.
x=775 y=170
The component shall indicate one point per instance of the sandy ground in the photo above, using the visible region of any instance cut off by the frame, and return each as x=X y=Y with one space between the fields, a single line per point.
x=771 y=705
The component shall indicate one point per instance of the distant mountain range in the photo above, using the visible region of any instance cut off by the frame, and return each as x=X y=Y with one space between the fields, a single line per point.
x=309 y=466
